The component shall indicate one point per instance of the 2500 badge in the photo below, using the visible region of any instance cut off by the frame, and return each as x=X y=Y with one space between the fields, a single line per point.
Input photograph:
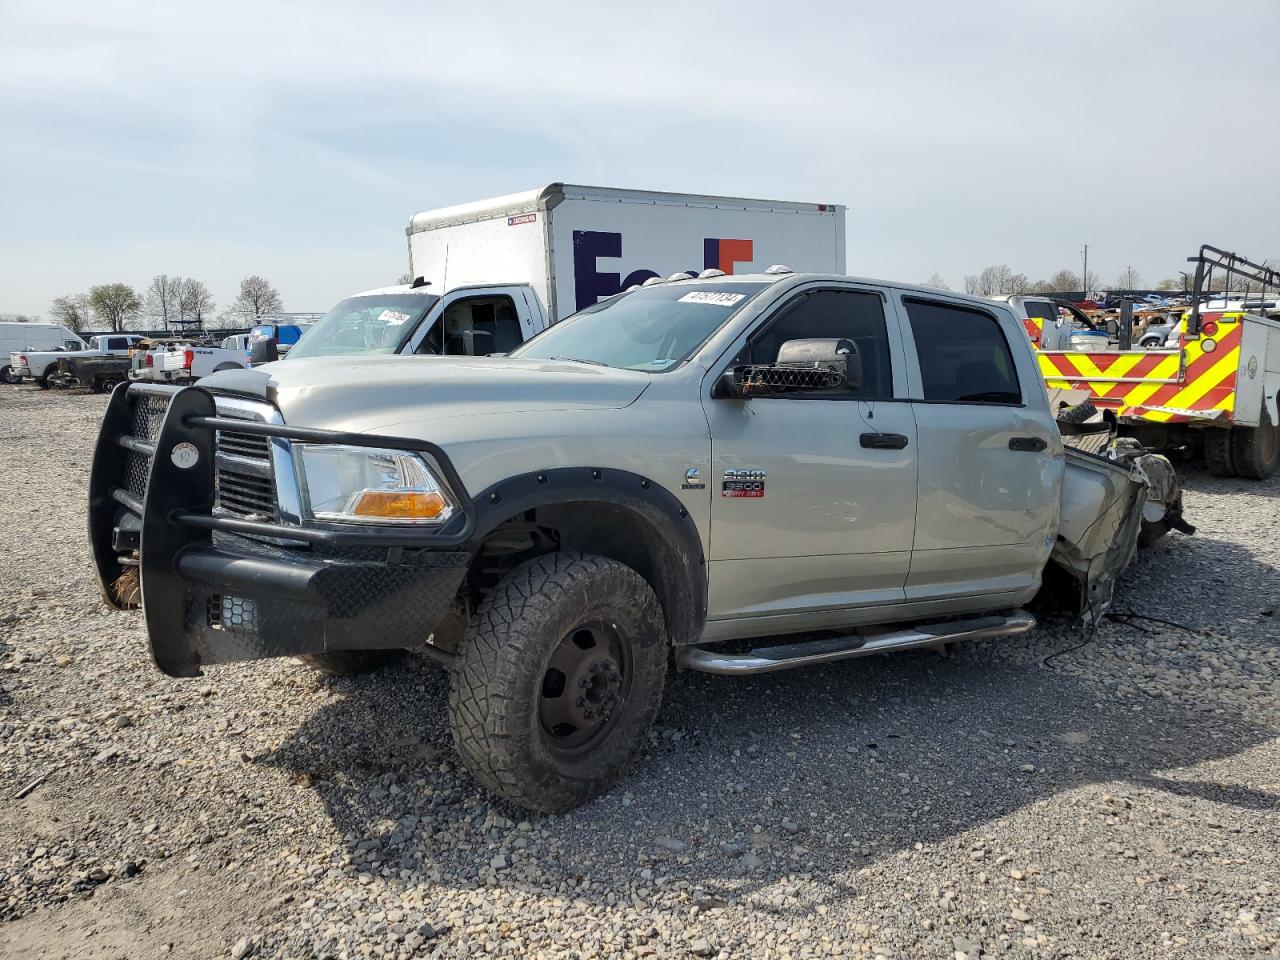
x=743 y=483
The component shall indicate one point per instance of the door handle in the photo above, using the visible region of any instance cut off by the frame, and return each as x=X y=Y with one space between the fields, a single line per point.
x=1027 y=444
x=883 y=441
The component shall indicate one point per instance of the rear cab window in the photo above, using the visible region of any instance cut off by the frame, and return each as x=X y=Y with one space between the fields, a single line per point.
x=964 y=356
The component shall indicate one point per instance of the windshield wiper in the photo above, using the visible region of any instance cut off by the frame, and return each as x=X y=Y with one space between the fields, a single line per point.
x=594 y=363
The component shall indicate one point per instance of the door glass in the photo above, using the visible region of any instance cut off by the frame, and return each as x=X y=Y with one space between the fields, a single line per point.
x=964 y=357
x=834 y=314
x=1044 y=311
x=475 y=327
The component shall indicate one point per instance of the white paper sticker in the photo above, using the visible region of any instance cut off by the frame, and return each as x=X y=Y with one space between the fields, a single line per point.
x=713 y=298
x=393 y=317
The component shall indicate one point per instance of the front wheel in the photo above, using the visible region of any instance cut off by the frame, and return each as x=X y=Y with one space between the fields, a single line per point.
x=557 y=680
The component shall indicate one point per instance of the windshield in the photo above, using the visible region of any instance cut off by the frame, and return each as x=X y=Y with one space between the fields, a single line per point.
x=653 y=329
x=379 y=323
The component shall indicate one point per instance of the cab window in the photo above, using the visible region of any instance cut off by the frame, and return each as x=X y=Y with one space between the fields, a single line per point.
x=964 y=356
x=832 y=314
x=1047 y=312
x=475 y=327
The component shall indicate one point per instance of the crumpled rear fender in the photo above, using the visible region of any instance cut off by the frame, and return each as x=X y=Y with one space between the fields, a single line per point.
x=1102 y=504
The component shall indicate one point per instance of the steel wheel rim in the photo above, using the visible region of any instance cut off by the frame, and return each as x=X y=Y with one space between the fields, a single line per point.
x=583 y=689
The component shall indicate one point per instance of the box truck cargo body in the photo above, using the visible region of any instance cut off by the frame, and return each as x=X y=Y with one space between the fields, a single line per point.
x=576 y=245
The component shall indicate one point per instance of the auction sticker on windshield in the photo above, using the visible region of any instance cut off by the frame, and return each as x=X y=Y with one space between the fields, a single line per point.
x=393 y=317
x=713 y=298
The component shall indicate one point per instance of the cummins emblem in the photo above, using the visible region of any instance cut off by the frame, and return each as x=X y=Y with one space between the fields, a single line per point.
x=693 y=480
x=743 y=483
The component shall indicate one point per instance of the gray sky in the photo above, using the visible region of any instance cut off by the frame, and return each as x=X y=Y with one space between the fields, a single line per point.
x=295 y=141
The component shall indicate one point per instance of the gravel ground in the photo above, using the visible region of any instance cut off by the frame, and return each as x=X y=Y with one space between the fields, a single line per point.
x=1120 y=800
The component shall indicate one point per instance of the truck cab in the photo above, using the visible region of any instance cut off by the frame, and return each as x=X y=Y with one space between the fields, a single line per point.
x=475 y=320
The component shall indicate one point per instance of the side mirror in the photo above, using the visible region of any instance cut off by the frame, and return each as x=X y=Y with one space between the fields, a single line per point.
x=837 y=355
x=817 y=364
x=263 y=351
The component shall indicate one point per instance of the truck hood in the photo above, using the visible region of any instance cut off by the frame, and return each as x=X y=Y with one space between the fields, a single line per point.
x=362 y=393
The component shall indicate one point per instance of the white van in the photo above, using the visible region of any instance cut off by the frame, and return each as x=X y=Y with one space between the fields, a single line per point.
x=20 y=337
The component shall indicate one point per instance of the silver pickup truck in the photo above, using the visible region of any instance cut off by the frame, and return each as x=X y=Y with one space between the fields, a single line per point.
x=42 y=366
x=847 y=466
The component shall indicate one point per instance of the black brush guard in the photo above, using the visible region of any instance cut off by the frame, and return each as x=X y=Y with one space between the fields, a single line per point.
x=217 y=589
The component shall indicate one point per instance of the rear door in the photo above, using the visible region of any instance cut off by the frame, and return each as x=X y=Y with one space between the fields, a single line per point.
x=990 y=455
x=813 y=495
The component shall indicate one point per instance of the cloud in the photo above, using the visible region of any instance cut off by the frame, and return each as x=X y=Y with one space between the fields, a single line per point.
x=958 y=134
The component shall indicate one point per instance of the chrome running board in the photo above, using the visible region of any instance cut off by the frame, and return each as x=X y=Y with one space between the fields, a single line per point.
x=788 y=655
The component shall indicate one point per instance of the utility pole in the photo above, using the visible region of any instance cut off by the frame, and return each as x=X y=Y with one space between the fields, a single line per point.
x=1084 y=277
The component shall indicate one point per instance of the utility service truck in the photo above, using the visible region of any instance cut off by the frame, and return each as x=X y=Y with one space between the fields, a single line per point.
x=856 y=467
x=1214 y=387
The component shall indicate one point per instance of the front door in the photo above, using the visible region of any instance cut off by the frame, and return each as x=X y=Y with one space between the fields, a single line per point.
x=990 y=464
x=814 y=494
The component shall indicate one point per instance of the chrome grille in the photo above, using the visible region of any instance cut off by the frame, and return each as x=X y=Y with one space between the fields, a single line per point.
x=244 y=479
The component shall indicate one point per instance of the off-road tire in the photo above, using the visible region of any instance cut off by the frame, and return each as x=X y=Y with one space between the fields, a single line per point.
x=1255 y=451
x=350 y=663
x=6 y=374
x=1080 y=413
x=1217 y=452
x=497 y=679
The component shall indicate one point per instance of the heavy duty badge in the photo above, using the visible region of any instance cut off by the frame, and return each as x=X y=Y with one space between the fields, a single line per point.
x=743 y=483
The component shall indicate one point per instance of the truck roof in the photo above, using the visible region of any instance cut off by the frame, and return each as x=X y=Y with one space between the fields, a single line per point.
x=546 y=198
x=798 y=278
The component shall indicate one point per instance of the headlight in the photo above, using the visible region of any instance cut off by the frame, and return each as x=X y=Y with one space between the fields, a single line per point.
x=370 y=485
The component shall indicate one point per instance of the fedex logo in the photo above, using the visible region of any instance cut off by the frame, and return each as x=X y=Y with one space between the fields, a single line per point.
x=590 y=284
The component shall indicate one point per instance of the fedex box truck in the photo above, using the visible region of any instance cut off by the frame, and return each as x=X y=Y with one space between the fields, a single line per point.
x=574 y=246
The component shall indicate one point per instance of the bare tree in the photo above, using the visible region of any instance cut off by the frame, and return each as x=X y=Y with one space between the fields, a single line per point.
x=257 y=297
x=936 y=282
x=404 y=279
x=162 y=299
x=114 y=305
x=1168 y=283
x=996 y=280
x=18 y=318
x=195 y=302
x=1130 y=279
x=1064 y=281
x=72 y=311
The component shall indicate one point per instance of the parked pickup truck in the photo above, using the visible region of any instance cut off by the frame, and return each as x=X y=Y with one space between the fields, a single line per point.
x=38 y=366
x=185 y=360
x=855 y=467
x=99 y=374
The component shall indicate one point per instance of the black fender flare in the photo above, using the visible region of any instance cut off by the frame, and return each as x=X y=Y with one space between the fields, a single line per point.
x=679 y=575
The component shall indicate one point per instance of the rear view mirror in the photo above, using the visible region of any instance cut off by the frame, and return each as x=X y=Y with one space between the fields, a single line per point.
x=263 y=351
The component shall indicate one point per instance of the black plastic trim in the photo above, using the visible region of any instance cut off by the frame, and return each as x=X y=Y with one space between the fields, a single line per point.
x=565 y=487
